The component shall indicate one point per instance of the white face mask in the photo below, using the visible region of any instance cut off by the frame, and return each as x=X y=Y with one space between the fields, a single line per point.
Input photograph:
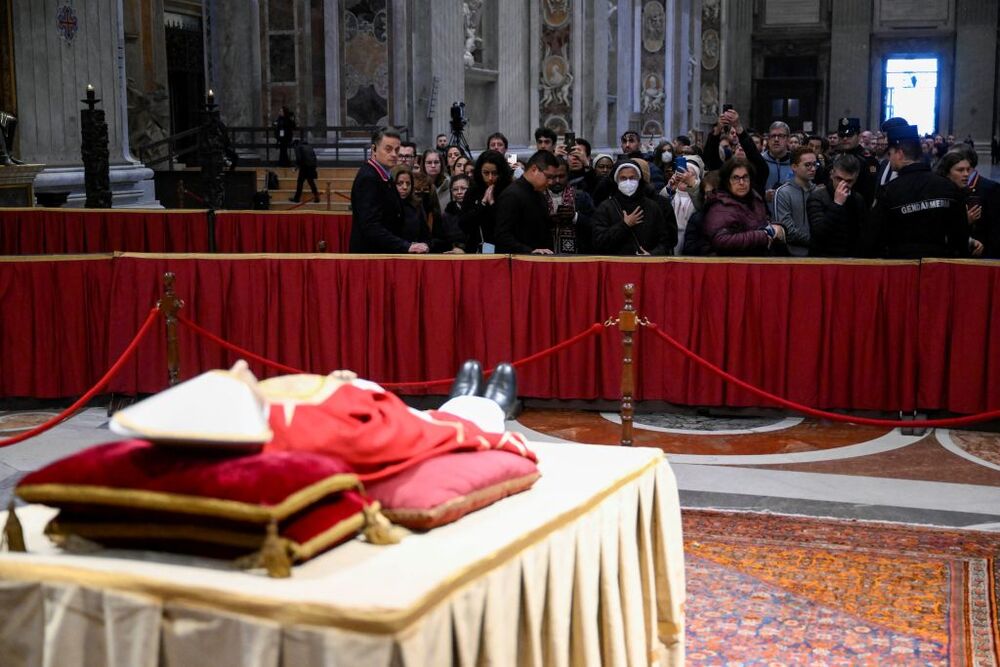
x=518 y=173
x=628 y=186
x=667 y=156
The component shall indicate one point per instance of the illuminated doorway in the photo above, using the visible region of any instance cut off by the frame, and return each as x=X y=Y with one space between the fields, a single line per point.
x=911 y=91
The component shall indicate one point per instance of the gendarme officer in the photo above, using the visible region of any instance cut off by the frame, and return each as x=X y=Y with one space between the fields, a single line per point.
x=919 y=214
x=849 y=131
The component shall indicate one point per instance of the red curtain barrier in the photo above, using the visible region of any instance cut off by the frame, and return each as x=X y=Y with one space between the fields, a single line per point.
x=41 y=231
x=54 y=315
x=827 y=334
x=387 y=318
x=959 y=341
x=292 y=231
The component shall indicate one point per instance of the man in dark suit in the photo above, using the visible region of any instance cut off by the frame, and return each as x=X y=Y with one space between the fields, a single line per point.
x=376 y=210
x=522 y=217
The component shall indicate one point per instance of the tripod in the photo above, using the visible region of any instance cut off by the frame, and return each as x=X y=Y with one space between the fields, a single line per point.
x=458 y=139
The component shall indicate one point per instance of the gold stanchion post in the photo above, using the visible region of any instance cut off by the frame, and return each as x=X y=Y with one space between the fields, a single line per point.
x=169 y=305
x=627 y=324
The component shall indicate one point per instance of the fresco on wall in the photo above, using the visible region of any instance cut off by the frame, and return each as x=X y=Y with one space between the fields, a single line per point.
x=556 y=76
x=365 y=69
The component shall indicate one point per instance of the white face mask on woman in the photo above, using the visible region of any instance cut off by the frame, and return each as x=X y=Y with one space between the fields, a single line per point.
x=628 y=186
x=667 y=157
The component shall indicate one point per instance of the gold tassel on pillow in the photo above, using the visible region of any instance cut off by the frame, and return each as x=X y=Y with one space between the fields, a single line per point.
x=378 y=529
x=13 y=533
x=273 y=555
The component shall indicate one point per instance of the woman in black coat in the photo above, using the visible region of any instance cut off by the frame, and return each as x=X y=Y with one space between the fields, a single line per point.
x=629 y=222
x=491 y=177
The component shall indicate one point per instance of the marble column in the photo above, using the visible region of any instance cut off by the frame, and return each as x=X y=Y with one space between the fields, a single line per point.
x=975 y=71
x=438 y=72
x=626 y=108
x=515 y=75
x=850 y=56
x=234 y=51
x=736 y=76
x=55 y=59
x=595 y=72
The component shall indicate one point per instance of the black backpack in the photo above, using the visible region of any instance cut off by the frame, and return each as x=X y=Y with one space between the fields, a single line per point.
x=262 y=201
x=272 y=181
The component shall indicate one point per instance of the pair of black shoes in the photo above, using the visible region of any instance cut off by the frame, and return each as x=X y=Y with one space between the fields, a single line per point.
x=501 y=388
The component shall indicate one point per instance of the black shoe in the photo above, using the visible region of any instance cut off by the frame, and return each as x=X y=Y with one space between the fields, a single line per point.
x=502 y=389
x=294 y=199
x=469 y=381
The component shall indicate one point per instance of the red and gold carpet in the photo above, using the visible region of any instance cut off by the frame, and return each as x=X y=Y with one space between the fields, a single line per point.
x=768 y=589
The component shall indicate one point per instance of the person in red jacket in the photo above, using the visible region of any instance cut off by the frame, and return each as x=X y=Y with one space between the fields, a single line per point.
x=736 y=221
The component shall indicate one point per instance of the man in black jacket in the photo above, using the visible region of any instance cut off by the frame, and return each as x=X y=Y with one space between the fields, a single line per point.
x=920 y=214
x=836 y=213
x=522 y=213
x=376 y=210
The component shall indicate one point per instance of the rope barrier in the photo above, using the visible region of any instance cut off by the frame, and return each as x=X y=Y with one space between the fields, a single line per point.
x=813 y=412
x=83 y=400
x=201 y=331
x=589 y=331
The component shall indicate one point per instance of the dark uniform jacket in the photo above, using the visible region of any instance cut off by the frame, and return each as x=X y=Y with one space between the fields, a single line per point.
x=835 y=230
x=987 y=229
x=376 y=214
x=522 y=220
x=920 y=214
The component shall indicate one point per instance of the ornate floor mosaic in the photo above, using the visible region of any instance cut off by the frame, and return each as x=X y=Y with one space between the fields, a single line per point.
x=778 y=590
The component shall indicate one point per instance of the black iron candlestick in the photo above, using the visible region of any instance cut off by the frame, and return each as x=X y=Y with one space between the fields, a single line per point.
x=94 y=151
x=211 y=142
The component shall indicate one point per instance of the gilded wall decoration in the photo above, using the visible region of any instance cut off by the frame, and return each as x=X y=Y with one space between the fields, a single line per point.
x=654 y=21
x=710 y=49
x=711 y=54
x=556 y=77
x=366 y=62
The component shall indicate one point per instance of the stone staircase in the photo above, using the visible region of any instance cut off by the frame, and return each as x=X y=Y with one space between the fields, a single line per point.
x=337 y=180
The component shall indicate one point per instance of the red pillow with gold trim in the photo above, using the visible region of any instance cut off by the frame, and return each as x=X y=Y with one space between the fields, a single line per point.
x=281 y=506
x=447 y=487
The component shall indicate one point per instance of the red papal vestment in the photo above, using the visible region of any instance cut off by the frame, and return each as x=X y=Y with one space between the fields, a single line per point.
x=368 y=427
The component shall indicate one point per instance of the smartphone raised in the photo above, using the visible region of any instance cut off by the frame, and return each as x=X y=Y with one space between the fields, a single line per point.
x=727 y=107
x=569 y=140
x=680 y=163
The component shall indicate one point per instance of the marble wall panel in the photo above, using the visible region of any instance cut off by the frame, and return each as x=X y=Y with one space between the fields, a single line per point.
x=711 y=56
x=365 y=68
x=652 y=88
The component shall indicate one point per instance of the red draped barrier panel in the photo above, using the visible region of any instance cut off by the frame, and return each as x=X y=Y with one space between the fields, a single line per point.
x=959 y=335
x=54 y=324
x=848 y=334
x=387 y=318
x=40 y=231
x=281 y=231
x=832 y=335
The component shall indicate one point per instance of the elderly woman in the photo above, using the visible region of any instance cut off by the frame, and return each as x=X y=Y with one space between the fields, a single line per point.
x=736 y=221
x=956 y=167
x=629 y=222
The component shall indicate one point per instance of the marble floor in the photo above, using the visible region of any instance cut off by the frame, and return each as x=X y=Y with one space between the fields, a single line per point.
x=778 y=463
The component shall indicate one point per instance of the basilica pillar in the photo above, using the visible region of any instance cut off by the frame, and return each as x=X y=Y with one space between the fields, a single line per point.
x=850 y=63
x=975 y=71
x=736 y=75
x=58 y=50
x=233 y=50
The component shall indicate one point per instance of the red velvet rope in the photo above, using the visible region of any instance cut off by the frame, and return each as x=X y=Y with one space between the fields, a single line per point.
x=589 y=331
x=559 y=347
x=201 y=331
x=822 y=414
x=83 y=400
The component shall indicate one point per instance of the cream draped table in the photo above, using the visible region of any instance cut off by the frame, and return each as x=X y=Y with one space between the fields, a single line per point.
x=586 y=568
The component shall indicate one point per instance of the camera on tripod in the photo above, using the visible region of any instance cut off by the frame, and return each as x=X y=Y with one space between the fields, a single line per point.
x=458 y=119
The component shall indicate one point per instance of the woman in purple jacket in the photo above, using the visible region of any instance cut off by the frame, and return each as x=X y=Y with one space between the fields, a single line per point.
x=736 y=220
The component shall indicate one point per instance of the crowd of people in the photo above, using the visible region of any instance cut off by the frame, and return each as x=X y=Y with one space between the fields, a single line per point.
x=852 y=193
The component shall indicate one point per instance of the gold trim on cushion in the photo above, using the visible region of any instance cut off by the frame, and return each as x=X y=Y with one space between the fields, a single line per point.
x=775 y=261
x=329 y=537
x=304 y=255
x=96 y=531
x=61 y=494
x=427 y=518
x=320 y=615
